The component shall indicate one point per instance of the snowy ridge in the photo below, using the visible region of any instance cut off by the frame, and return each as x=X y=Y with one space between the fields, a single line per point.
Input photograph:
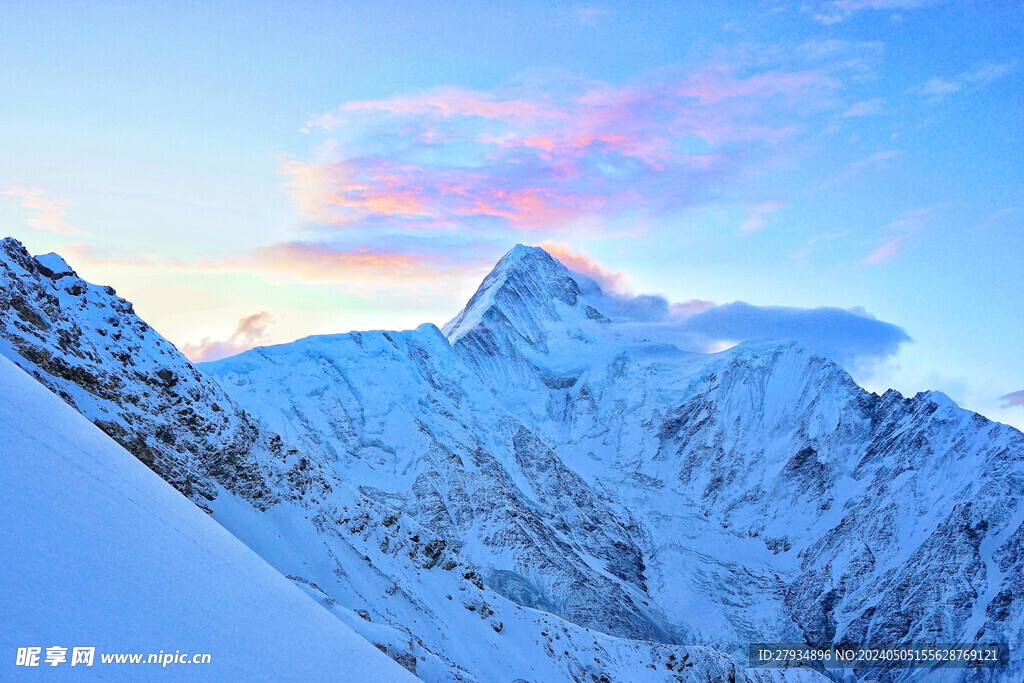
x=770 y=461
x=397 y=413
x=87 y=345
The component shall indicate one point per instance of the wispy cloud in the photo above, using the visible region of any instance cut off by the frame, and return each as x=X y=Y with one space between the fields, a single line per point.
x=829 y=12
x=899 y=233
x=758 y=216
x=612 y=281
x=251 y=331
x=45 y=212
x=90 y=255
x=875 y=161
x=973 y=79
x=296 y=261
x=550 y=154
x=886 y=250
x=1013 y=399
x=318 y=262
x=588 y=15
x=872 y=107
x=999 y=216
x=878 y=159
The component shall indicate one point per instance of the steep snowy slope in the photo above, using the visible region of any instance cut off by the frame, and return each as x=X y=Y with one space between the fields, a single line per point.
x=99 y=552
x=397 y=575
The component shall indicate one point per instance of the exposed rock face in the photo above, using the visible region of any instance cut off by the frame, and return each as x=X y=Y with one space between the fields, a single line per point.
x=434 y=488
x=399 y=414
x=86 y=345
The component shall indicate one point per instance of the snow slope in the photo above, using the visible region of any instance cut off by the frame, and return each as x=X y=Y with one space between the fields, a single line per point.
x=99 y=551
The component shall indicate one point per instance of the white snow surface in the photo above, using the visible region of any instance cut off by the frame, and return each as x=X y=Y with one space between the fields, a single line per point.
x=98 y=551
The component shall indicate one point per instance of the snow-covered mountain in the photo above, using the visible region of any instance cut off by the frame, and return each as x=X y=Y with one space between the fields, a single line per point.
x=407 y=587
x=551 y=489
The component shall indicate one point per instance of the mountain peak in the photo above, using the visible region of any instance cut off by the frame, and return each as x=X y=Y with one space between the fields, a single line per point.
x=523 y=250
x=526 y=258
x=50 y=265
x=525 y=290
x=11 y=250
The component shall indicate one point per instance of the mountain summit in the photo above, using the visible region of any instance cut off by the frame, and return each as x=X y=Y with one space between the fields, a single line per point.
x=526 y=292
x=527 y=322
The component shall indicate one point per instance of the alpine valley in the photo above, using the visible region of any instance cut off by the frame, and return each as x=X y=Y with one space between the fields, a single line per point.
x=547 y=489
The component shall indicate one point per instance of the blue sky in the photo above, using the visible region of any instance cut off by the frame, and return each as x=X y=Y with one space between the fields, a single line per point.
x=255 y=172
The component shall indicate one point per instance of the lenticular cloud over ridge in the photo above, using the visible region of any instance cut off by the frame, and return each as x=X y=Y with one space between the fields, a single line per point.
x=852 y=337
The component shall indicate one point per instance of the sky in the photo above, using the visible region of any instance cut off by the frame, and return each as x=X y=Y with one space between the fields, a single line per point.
x=252 y=173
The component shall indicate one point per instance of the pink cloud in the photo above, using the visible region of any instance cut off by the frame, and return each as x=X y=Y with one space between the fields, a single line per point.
x=370 y=191
x=46 y=213
x=759 y=214
x=612 y=281
x=444 y=102
x=886 y=251
x=714 y=87
x=315 y=262
x=1014 y=399
x=619 y=301
x=549 y=155
x=299 y=261
x=339 y=193
x=901 y=230
x=250 y=332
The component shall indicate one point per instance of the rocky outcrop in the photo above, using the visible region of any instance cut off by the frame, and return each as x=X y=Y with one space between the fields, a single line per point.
x=87 y=345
